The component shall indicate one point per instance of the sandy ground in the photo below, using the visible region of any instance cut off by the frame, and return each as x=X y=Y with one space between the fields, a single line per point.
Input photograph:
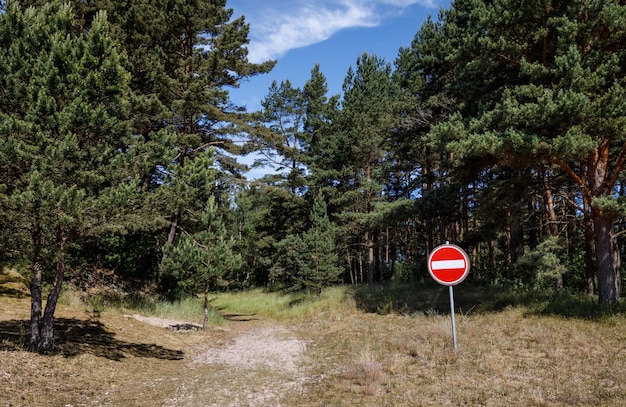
x=168 y=323
x=259 y=367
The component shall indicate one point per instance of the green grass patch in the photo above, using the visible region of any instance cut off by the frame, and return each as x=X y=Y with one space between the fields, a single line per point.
x=433 y=299
x=257 y=303
x=187 y=309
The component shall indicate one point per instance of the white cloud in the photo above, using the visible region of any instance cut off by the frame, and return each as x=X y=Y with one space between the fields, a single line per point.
x=280 y=26
x=406 y=3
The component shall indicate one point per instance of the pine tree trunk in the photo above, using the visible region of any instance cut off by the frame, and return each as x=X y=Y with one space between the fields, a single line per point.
x=516 y=240
x=173 y=228
x=361 y=266
x=41 y=326
x=617 y=264
x=429 y=225
x=369 y=243
x=35 y=288
x=46 y=340
x=607 y=283
x=492 y=260
x=553 y=229
x=394 y=254
x=205 y=321
x=351 y=270
x=430 y=234
x=589 y=249
x=35 y=304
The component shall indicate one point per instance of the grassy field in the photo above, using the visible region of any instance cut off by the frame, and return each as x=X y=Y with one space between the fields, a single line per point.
x=379 y=346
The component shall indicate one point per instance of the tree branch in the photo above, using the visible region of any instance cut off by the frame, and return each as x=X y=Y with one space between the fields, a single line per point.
x=619 y=165
x=572 y=174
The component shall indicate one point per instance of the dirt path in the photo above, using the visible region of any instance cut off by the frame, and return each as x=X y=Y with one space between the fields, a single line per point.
x=258 y=365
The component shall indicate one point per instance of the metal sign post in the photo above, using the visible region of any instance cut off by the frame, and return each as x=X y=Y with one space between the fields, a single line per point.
x=449 y=265
x=451 y=290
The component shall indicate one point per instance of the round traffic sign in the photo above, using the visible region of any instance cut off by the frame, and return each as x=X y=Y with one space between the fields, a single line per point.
x=448 y=264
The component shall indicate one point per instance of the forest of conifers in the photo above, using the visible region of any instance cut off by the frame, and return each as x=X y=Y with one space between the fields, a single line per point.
x=500 y=128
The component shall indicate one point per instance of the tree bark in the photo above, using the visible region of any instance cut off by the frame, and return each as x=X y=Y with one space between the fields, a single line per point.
x=516 y=234
x=35 y=304
x=35 y=287
x=617 y=264
x=205 y=321
x=41 y=326
x=369 y=243
x=173 y=228
x=47 y=334
x=553 y=229
x=492 y=261
x=604 y=240
x=394 y=254
x=589 y=254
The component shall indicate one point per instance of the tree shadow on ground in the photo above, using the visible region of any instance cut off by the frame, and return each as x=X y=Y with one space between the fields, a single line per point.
x=238 y=317
x=73 y=337
x=433 y=299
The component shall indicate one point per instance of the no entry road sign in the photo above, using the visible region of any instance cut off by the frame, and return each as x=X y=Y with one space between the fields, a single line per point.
x=448 y=264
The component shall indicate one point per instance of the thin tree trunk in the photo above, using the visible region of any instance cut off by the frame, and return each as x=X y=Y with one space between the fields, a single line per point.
x=47 y=334
x=430 y=234
x=35 y=304
x=492 y=260
x=369 y=243
x=379 y=271
x=617 y=263
x=360 y=266
x=589 y=248
x=553 y=229
x=41 y=326
x=205 y=321
x=516 y=241
x=427 y=186
x=171 y=236
x=351 y=269
x=35 y=287
x=394 y=250
x=173 y=228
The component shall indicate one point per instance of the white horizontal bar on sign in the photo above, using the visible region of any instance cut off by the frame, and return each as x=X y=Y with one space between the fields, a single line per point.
x=447 y=264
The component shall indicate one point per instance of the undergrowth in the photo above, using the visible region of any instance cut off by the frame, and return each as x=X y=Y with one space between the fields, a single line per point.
x=429 y=299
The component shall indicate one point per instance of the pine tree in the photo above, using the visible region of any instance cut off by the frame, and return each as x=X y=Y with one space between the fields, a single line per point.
x=64 y=123
x=183 y=57
x=203 y=53
x=308 y=261
x=284 y=113
x=422 y=75
x=321 y=156
x=319 y=256
x=199 y=260
x=540 y=83
x=364 y=124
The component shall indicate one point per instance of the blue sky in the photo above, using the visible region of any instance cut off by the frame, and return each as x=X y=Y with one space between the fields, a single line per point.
x=334 y=33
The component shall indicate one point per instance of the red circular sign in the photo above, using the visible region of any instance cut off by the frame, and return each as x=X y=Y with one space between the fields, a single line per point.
x=448 y=264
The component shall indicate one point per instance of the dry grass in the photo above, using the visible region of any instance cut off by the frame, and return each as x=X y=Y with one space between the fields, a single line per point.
x=110 y=360
x=515 y=355
x=367 y=373
x=13 y=283
x=508 y=358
